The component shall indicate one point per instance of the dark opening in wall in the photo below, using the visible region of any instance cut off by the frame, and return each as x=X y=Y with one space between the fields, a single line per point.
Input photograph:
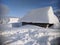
x=37 y=24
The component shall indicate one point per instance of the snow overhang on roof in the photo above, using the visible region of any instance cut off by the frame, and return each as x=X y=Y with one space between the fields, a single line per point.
x=41 y=15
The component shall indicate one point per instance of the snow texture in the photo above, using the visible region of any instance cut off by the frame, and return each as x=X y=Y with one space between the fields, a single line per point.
x=41 y=15
x=28 y=35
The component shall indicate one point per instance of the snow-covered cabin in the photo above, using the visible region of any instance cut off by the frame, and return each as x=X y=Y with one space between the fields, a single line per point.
x=41 y=17
x=14 y=21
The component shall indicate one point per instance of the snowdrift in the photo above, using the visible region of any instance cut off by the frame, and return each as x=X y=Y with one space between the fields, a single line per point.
x=28 y=35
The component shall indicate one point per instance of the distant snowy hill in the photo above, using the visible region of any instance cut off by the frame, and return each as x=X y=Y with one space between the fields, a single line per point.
x=57 y=13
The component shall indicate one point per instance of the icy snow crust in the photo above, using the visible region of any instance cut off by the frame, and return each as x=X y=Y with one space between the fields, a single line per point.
x=28 y=35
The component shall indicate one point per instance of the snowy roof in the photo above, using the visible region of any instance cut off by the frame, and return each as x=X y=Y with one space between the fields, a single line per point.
x=13 y=20
x=41 y=15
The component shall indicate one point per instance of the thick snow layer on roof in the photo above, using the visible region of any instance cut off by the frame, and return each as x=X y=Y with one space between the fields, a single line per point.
x=41 y=15
x=28 y=35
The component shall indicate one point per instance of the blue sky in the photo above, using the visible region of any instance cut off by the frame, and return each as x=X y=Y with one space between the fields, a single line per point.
x=19 y=8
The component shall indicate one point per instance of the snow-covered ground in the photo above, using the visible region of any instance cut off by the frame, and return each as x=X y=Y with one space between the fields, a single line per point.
x=28 y=35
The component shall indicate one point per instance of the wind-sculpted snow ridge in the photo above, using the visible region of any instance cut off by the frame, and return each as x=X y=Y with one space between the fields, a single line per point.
x=28 y=35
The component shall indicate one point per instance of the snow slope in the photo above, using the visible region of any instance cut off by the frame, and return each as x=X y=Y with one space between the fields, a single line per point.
x=28 y=35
